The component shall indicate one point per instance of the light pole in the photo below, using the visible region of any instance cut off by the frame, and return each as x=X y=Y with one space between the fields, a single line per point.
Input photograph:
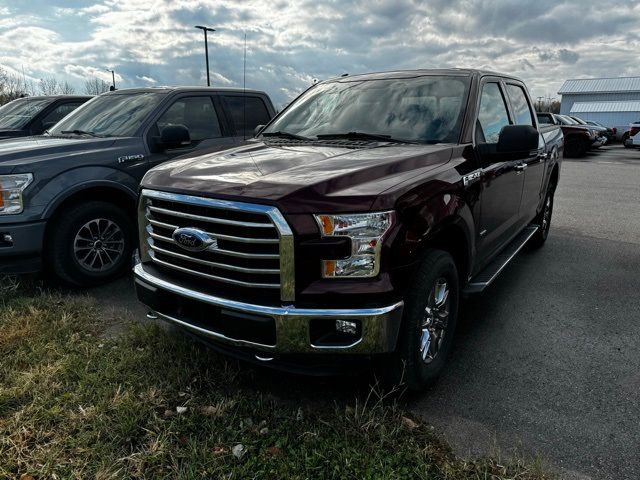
x=113 y=76
x=206 y=48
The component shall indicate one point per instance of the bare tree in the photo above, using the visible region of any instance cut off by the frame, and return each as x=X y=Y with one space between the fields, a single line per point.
x=13 y=86
x=95 y=86
x=49 y=86
x=67 y=89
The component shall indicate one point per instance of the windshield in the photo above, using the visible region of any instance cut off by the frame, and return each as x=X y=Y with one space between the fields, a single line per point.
x=17 y=114
x=579 y=120
x=110 y=115
x=566 y=120
x=426 y=109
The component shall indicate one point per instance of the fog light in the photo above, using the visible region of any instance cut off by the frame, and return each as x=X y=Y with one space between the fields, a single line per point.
x=345 y=326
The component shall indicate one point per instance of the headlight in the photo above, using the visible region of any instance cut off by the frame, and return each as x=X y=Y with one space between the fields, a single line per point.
x=11 y=188
x=366 y=232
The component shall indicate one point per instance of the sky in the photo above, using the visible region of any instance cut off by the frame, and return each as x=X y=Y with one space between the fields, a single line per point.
x=292 y=43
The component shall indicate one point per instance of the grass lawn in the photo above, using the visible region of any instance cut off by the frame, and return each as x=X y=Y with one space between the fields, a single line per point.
x=151 y=404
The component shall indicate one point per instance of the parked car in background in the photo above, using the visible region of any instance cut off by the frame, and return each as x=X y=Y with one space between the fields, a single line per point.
x=67 y=198
x=610 y=133
x=578 y=139
x=634 y=129
x=633 y=142
x=599 y=129
x=353 y=224
x=33 y=115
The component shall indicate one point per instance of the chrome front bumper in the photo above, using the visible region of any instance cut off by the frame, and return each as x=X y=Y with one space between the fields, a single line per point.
x=380 y=325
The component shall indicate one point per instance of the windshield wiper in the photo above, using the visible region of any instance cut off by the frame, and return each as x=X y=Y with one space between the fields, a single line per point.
x=285 y=135
x=362 y=136
x=81 y=132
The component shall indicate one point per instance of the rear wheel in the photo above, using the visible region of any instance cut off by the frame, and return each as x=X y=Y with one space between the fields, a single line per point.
x=428 y=325
x=543 y=220
x=91 y=244
x=575 y=148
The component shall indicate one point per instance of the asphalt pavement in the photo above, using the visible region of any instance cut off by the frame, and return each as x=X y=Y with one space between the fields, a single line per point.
x=547 y=360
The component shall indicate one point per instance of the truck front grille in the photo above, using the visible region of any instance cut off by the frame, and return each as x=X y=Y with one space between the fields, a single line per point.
x=251 y=255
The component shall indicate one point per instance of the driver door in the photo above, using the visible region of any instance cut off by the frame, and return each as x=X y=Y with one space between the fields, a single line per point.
x=502 y=181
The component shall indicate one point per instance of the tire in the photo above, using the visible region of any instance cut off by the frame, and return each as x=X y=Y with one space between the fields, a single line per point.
x=407 y=367
x=101 y=231
x=575 y=149
x=543 y=219
x=625 y=137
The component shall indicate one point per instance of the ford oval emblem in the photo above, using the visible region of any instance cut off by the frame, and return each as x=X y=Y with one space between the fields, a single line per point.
x=192 y=239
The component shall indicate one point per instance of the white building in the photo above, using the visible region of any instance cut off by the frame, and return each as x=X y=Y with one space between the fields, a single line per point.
x=613 y=102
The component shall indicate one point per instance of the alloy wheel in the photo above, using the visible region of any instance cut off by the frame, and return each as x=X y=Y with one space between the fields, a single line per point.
x=98 y=245
x=434 y=323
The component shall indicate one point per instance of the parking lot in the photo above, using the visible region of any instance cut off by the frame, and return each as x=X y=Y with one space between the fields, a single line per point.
x=547 y=360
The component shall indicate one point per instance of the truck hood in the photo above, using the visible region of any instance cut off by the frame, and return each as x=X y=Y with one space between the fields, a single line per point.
x=299 y=178
x=23 y=151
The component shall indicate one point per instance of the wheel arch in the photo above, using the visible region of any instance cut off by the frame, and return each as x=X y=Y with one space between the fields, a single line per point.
x=106 y=191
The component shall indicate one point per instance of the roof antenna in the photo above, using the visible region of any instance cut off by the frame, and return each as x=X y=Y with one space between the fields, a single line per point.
x=244 y=90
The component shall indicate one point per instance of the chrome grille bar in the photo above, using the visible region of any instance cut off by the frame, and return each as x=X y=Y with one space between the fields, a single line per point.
x=232 y=253
x=201 y=218
x=224 y=266
x=214 y=277
x=219 y=236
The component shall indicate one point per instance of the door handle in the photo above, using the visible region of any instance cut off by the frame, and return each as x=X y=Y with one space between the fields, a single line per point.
x=543 y=156
x=521 y=167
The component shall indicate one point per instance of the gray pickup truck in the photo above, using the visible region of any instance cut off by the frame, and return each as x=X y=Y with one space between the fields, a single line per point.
x=67 y=198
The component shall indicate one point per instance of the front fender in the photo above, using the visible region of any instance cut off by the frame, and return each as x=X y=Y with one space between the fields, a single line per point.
x=73 y=181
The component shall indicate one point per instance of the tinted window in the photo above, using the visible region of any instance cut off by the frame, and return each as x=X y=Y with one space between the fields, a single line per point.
x=195 y=113
x=544 y=119
x=493 y=113
x=59 y=113
x=247 y=113
x=111 y=115
x=426 y=109
x=520 y=105
x=18 y=113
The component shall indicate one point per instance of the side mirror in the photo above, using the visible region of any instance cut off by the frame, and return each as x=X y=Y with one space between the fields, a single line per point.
x=516 y=142
x=174 y=136
x=257 y=130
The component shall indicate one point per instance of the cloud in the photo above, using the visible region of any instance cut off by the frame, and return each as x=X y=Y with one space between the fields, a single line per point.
x=146 y=79
x=291 y=43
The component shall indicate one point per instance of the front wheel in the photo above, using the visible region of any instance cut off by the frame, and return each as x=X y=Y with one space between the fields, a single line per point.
x=625 y=137
x=91 y=244
x=428 y=325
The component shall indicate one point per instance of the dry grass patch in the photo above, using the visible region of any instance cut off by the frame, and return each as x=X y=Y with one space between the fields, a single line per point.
x=151 y=405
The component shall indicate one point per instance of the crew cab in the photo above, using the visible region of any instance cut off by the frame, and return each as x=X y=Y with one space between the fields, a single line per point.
x=354 y=222
x=578 y=139
x=67 y=198
x=34 y=115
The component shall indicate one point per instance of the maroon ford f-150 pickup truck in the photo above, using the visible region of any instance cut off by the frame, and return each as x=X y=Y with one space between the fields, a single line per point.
x=354 y=222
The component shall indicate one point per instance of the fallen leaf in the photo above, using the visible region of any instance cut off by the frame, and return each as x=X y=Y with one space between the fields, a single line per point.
x=169 y=413
x=219 y=451
x=264 y=431
x=410 y=424
x=26 y=476
x=272 y=451
x=181 y=410
x=239 y=451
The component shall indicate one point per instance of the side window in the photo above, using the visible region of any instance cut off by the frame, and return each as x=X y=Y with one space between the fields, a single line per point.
x=195 y=113
x=493 y=113
x=247 y=113
x=520 y=105
x=58 y=113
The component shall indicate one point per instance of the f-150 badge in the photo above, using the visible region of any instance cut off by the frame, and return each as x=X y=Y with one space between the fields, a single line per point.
x=471 y=177
x=130 y=158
